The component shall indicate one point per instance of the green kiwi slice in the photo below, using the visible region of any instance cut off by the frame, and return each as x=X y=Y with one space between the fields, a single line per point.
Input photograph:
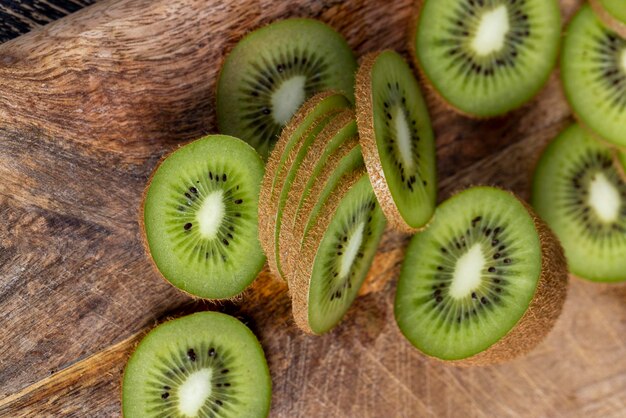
x=273 y=70
x=305 y=126
x=593 y=71
x=578 y=189
x=397 y=140
x=203 y=365
x=612 y=13
x=483 y=283
x=336 y=255
x=486 y=57
x=200 y=217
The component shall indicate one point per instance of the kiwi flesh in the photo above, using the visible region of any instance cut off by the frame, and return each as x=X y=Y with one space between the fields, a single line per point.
x=593 y=72
x=273 y=70
x=309 y=119
x=200 y=220
x=397 y=140
x=336 y=255
x=483 y=283
x=485 y=58
x=207 y=364
x=579 y=191
x=612 y=13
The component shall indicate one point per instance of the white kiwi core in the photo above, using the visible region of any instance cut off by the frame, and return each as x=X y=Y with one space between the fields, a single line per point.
x=623 y=60
x=194 y=392
x=288 y=98
x=403 y=137
x=467 y=272
x=604 y=198
x=211 y=214
x=351 y=250
x=492 y=31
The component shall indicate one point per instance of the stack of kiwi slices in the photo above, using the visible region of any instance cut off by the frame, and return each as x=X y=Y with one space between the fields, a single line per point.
x=486 y=57
x=593 y=71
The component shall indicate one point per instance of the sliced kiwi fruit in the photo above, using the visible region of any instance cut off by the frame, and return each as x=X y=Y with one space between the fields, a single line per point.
x=486 y=57
x=484 y=283
x=273 y=70
x=593 y=72
x=306 y=124
x=612 y=13
x=397 y=140
x=579 y=191
x=336 y=255
x=200 y=219
x=207 y=364
x=321 y=134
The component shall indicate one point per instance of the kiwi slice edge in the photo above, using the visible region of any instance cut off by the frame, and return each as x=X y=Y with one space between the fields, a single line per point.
x=611 y=21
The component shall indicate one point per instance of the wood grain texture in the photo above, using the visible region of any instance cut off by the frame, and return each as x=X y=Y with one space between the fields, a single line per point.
x=87 y=107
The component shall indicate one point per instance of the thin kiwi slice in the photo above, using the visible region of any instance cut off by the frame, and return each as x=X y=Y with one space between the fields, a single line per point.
x=306 y=124
x=200 y=217
x=484 y=283
x=579 y=191
x=397 y=140
x=207 y=364
x=273 y=70
x=486 y=57
x=612 y=13
x=593 y=71
x=336 y=255
x=286 y=178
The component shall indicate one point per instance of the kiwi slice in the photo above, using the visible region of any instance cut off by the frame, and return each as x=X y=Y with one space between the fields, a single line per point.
x=336 y=255
x=484 y=283
x=593 y=71
x=273 y=70
x=397 y=140
x=486 y=57
x=306 y=124
x=612 y=13
x=579 y=191
x=207 y=364
x=200 y=217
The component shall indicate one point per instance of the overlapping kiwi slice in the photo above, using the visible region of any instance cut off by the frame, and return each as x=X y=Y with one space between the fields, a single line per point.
x=579 y=191
x=485 y=282
x=203 y=365
x=486 y=57
x=612 y=13
x=273 y=70
x=336 y=255
x=291 y=147
x=200 y=217
x=593 y=71
x=397 y=140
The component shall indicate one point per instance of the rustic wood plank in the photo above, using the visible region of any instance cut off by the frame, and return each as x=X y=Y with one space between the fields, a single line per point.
x=87 y=107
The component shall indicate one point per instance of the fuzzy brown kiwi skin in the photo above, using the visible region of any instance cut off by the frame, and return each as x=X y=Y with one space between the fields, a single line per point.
x=268 y=189
x=367 y=136
x=544 y=309
x=307 y=166
x=607 y=19
x=300 y=279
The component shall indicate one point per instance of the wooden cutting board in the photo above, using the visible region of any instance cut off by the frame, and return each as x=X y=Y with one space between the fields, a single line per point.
x=90 y=103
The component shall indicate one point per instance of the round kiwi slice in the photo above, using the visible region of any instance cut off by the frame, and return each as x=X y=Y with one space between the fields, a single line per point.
x=579 y=192
x=486 y=57
x=593 y=71
x=207 y=364
x=484 y=283
x=336 y=255
x=200 y=217
x=307 y=123
x=612 y=13
x=397 y=140
x=273 y=70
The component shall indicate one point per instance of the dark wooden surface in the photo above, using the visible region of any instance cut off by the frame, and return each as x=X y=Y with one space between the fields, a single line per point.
x=21 y=16
x=87 y=107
